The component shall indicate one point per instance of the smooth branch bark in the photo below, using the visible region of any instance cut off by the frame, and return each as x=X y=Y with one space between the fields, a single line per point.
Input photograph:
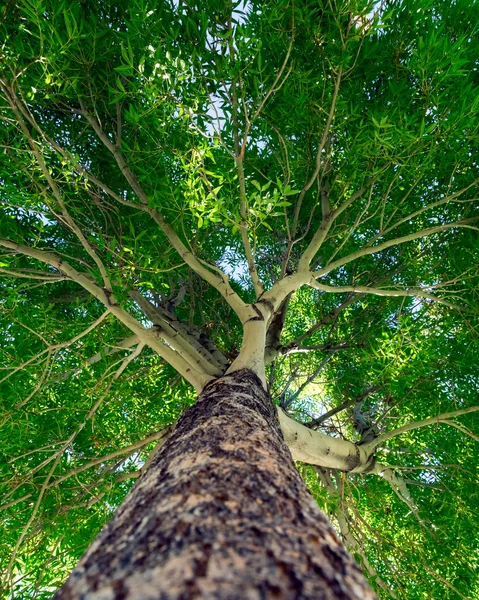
x=221 y=512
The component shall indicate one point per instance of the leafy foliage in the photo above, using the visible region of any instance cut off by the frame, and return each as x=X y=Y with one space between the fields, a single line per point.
x=245 y=125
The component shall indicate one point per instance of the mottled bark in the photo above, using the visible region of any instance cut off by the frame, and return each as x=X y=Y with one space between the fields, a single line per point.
x=220 y=513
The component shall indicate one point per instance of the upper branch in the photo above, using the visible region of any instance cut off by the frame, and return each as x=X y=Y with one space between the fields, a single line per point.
x=217 y=279
x=322 y=231
x=343 y=406
x=417 y=424
x=366 y=251
x=239 y=152
x=18 y=109
x=364 y=289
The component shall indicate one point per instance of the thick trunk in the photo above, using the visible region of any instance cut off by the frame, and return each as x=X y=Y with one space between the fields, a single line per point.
x=220 y=513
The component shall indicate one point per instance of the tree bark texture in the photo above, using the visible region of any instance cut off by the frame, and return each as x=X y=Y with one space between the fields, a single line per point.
x=221 y=513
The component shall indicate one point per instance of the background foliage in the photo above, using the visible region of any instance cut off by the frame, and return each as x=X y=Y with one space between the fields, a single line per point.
x=386 y=95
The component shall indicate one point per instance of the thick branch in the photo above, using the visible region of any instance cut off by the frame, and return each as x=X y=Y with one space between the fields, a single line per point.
x=218 y=279
x=251 y=355
x=189 y=332
x=323 y=450
x=273 y=336
x=196 y=377
x=187 y=348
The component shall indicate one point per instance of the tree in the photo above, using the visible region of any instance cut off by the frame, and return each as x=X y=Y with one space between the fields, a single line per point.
x=269 y=195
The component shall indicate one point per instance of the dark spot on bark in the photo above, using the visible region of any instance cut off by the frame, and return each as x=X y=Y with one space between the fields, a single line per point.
x=109 y=293
x=267 y=303
x=274 y=591
x=120 y=590
x=261 y=318
x=258 y=312
x=353 y=460
x=370 y=465
x=201 y=565
x=336 y=557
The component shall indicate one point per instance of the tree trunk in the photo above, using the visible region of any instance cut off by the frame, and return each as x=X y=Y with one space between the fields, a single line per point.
x=221 y=512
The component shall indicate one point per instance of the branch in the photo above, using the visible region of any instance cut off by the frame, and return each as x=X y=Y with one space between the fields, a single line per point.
x=343 y=406
x=55 y=459
x=398 y=485
x=53 y=347
x=415 y=214
x=283 y=288
x=417 y=424
x=309 y=379
x=324 y=137
x=124 y=344
x=361 y=289
x=218 y=279
x=291 y=283
x=193 y=352
x=273 y=335
x=243 y=227
x=16 y=106
x=273 y=89
x=462 y=429
x=45 y=277
x=316 y=448
x=326 y=320
x=327 y=217
x=344 y=519
x=366 y=251
x=192 y=335
x=240 y=149
x=291 y=349
x=322 y=231
x=159 y=435
x=197 y=378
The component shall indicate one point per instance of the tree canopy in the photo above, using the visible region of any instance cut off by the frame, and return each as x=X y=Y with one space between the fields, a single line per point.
x=164 y=165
